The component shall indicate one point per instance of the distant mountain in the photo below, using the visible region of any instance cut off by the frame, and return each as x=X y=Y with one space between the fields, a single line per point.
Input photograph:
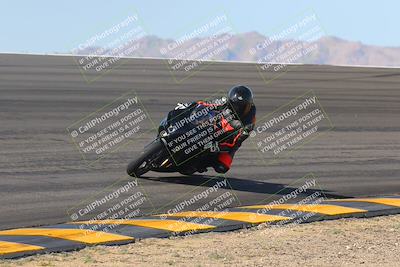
x=328 y=50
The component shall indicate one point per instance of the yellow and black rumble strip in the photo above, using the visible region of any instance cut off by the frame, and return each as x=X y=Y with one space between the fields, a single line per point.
x=21 y=242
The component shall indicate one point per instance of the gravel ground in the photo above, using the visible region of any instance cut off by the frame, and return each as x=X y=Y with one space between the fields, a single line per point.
x=346 y=242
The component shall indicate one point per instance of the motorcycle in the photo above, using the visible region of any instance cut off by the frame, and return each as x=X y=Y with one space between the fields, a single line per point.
x=187 y=141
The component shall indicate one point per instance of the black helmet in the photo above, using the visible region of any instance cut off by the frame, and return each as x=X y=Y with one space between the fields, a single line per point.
x=240 y=98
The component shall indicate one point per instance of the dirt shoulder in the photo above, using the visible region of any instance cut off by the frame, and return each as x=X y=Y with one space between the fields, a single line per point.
x=346 y=242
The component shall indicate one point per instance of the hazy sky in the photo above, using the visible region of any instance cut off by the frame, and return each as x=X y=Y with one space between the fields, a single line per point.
x=45 y=26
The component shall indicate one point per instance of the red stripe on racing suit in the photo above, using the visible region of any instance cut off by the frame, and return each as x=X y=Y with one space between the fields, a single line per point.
x=234 y=139
x=225 y=125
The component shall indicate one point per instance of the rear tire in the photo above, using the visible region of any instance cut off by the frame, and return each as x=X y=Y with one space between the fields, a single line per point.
x=142 y=164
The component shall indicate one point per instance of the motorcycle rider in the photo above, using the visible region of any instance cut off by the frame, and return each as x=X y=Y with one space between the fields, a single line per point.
x=236 y=130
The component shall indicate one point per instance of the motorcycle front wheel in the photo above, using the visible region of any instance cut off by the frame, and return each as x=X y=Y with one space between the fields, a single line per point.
x=144 y=162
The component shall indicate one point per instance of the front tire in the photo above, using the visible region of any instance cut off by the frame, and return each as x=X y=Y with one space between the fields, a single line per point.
x=142 y=164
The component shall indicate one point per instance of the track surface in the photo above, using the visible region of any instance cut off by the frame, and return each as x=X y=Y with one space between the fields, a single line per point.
x=42 y=174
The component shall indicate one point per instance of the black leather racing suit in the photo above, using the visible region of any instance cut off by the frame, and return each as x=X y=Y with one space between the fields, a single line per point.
x=236 y=131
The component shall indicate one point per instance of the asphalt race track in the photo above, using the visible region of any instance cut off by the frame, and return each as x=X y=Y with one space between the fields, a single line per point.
x=42 y=175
